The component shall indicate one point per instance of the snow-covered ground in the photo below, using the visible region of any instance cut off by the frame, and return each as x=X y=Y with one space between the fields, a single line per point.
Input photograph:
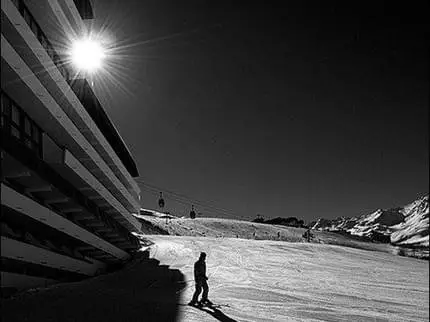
x=255 y=280
x=279 y=281
x=222 y=228
x=219 y=227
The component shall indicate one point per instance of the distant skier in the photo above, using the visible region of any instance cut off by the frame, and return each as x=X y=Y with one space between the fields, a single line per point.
x=200 y=280
x=308 y=235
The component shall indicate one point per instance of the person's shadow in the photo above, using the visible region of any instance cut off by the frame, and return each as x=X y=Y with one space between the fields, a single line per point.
x=217 y=314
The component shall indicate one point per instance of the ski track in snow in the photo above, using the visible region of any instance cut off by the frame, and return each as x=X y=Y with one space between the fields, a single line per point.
x=280 y=281
x=260 y=280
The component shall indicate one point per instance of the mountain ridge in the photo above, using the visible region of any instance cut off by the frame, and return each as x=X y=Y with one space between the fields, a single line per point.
x=400 y=226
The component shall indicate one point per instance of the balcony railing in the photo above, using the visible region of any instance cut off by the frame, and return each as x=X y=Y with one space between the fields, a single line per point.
x=21 y=135
x=93 y=107
x=37 y=31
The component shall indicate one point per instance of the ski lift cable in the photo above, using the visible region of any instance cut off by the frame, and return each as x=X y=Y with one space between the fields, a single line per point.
x=187 y=203
x=187 y=198
x=208 y=211
x=215 y=211
x=180 y=198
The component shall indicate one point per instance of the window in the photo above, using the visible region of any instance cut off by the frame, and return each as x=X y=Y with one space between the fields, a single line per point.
x=27 y=132
x=21 y=7
x=15 y=122
x=65 y=72
x=68 y=77
x=34 y=27
x=55 y=58
x=27 y=16
x=27 y=126
x=36 y=135
x=15 y=115
x=5 y=105
x=5 y=110
x=28 y=143
x=2 y=103
x=40 y=37
x=46 y=45
x=31 y=134
x=51 y=53
x=61 y=69
x=15 y=132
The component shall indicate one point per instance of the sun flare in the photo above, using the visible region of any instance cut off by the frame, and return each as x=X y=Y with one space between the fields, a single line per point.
x=87 y=54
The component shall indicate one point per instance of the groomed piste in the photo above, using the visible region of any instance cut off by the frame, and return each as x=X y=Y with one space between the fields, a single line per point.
x=250 y=280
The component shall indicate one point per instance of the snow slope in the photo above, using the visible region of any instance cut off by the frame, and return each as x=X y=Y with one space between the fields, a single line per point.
x=257 y=280
x=221 y=228
x=154 y=213
x=279 y=281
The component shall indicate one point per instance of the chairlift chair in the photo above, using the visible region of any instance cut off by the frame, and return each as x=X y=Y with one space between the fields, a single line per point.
x=161 y=202
x=192 y=213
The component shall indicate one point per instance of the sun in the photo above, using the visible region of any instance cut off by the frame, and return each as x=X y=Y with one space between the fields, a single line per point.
x=87 y=54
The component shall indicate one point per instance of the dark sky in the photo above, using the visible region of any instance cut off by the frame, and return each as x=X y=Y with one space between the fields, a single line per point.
x=302 y=110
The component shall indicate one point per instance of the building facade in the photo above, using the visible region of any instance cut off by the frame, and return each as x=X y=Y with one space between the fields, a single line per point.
x=67 y=187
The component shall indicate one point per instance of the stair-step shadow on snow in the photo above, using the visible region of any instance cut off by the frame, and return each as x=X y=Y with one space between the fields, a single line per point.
x=144 y=290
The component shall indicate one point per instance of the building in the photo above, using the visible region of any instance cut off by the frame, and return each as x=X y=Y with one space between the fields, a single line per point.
x=67 y=187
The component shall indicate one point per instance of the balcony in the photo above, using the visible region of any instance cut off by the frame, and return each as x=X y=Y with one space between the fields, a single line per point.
x=81 y=88
x=20 y=29
x=42 y=38
x=11 y=248
x=66 y=196
x=92 y=105
x=48 y=225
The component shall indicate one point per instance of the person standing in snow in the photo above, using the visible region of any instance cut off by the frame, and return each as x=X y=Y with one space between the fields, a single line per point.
x=308 y=235
x=200 y=280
